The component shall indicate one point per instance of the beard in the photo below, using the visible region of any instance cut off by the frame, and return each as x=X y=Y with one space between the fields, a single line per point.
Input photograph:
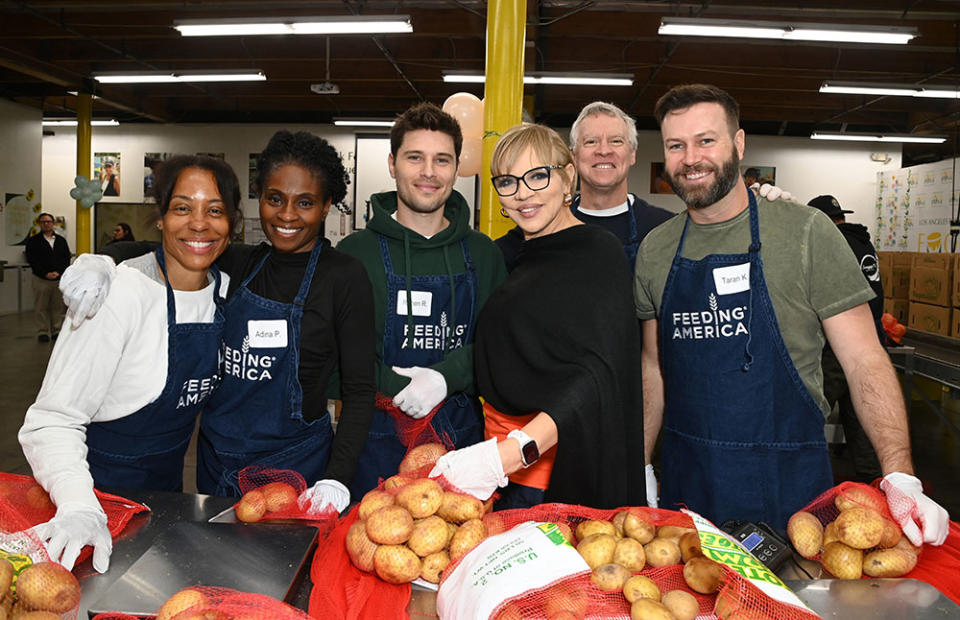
x=701 y=197
x=420 y=205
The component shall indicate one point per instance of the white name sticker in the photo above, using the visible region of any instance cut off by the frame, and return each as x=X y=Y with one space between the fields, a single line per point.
x=422 y=301
x=267 y=334
x=732 y=279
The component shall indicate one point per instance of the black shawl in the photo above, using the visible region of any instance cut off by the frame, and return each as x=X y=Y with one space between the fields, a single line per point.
x=561 y=336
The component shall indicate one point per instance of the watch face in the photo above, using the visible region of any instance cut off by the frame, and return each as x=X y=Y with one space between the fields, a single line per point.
x=530 y=452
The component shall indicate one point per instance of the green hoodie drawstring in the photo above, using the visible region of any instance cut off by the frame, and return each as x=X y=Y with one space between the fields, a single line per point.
x=453 y=303
x=408 y=267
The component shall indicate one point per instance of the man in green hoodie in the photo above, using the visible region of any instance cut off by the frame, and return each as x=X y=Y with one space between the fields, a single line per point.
x=431 y=274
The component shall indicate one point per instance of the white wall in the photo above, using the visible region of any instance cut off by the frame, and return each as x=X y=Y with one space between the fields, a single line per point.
x=20 y=172
x=806 y=168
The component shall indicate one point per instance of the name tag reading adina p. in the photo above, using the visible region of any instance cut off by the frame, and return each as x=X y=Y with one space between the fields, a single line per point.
x=270 y=334
x=732 y=279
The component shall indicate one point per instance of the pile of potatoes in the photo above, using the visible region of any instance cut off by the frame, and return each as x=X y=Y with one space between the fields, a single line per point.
x=42 y=591
x=414 y=529
x=275 y=497
x=860 y=541
x=618 y=549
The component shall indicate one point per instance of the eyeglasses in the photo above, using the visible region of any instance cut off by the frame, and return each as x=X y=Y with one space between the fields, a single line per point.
x=535 y=178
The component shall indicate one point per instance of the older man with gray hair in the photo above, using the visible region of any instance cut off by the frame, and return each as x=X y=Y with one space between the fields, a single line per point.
x=604 y=144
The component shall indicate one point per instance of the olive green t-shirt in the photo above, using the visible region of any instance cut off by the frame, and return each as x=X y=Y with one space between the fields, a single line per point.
x=810 y=272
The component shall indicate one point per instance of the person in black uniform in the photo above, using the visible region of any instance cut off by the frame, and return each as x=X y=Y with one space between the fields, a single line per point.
x=862 y=455
x=48 y=255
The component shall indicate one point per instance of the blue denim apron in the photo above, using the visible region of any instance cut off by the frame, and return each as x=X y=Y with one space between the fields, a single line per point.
x=633 y=242
x=742 y=437
x=145 y=449
x=460 y=416
x=256 y=417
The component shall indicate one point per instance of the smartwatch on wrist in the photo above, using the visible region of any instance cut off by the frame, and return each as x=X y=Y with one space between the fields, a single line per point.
x=529 y=452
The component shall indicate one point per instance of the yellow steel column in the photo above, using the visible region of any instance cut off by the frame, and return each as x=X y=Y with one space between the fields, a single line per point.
x=84 y=134
x=503 y=97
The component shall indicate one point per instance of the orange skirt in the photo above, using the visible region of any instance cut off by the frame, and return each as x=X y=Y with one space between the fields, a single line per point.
x=497 y=425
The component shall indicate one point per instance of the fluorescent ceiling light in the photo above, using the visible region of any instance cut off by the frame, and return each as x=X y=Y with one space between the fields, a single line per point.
x=361 y=122
x=896 y=90
x=363 y=24
x=169 y=77
x=839 y=33
x=67 y=122
x=544 y=77
x=873 y=137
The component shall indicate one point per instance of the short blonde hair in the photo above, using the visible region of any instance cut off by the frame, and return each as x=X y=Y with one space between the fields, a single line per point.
x=546 y=144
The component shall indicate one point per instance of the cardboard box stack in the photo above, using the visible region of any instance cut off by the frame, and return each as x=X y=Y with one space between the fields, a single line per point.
x=955 y=330
x=895 y=276
x=931 y=292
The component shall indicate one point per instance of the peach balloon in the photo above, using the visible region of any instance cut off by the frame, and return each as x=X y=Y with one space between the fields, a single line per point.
x=468 y=110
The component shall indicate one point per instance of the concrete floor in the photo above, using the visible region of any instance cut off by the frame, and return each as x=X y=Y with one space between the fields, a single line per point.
x=23 y=363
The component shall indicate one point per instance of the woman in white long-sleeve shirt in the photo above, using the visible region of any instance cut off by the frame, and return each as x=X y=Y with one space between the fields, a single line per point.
x=122 y=391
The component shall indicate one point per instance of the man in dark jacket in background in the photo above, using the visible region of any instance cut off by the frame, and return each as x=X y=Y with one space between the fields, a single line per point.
x=48 y=255
x=865 y=464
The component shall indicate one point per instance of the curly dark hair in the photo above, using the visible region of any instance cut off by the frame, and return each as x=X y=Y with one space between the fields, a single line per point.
x=307 y=151
x=227 y=184
x=428 y=116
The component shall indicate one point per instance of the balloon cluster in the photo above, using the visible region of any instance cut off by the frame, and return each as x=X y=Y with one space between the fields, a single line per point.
x=86 y=191
x=468 y=110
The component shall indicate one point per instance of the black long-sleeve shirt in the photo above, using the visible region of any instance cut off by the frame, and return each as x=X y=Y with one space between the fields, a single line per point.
x=43 y=258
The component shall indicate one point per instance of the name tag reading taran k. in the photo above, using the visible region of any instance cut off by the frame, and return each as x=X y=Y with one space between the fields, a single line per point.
x=732 y=279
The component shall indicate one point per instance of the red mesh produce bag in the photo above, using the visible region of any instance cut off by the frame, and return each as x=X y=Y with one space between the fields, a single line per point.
x=412 y=432
x=581 y=598
x=218 y=602
x=940 y=566
x=24 y=503
x=341 y=591
x=276 y=491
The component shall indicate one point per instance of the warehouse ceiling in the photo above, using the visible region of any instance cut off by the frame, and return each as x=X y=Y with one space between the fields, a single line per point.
x=50 y=48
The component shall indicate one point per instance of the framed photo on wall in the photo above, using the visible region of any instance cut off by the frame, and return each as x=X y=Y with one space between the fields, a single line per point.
x=658 y=182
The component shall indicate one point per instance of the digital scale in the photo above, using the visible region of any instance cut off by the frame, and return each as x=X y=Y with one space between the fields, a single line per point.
x=761 y=540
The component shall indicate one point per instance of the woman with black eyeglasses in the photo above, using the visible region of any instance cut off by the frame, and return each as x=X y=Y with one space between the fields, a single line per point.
x=557 y=351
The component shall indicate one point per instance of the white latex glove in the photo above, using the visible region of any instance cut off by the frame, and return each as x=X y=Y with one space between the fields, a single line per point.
x=85 y=285
x=652 y=497
x=323 y=495
x=922 y=513
x=426 y=390
x=476 y=469
x=75 y=526
x=771 y=192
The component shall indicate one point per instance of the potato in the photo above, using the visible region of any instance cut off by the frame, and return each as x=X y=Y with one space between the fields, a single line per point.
x=48 y=586
x=252 y=506
x=359 y=546
x=638 y=587
x=597 y=549
x=618 y=521
x=421 y=497
x=891 y=534
x=421 y=456
x=589 y=528
x=6 y=576
x=906 y=545
x=860 y=496
x=396 y=564
x=727 y=603
x=181 y=601
x=470 y=534
x=374 y=500
x=610 y=577
x=432 y=566
x=629 y=554
x=703 y=575
x=395 y=482
x=662 y=552
x=429 y=536
x=390 y=525
x=860 y=528
x=451 y=530
x=889 y=563
x=673 y=532
x=648 y=609
x=690 y=546
x=806 y=534
x=841 y=561
x=830 y=534
x=510 y=612
x=280 y=496
x=39 y=500
x=638 y=528
x=682 y=605
x=458 y=508
x=37 y=615
x=567 y=532
x=560 y=601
